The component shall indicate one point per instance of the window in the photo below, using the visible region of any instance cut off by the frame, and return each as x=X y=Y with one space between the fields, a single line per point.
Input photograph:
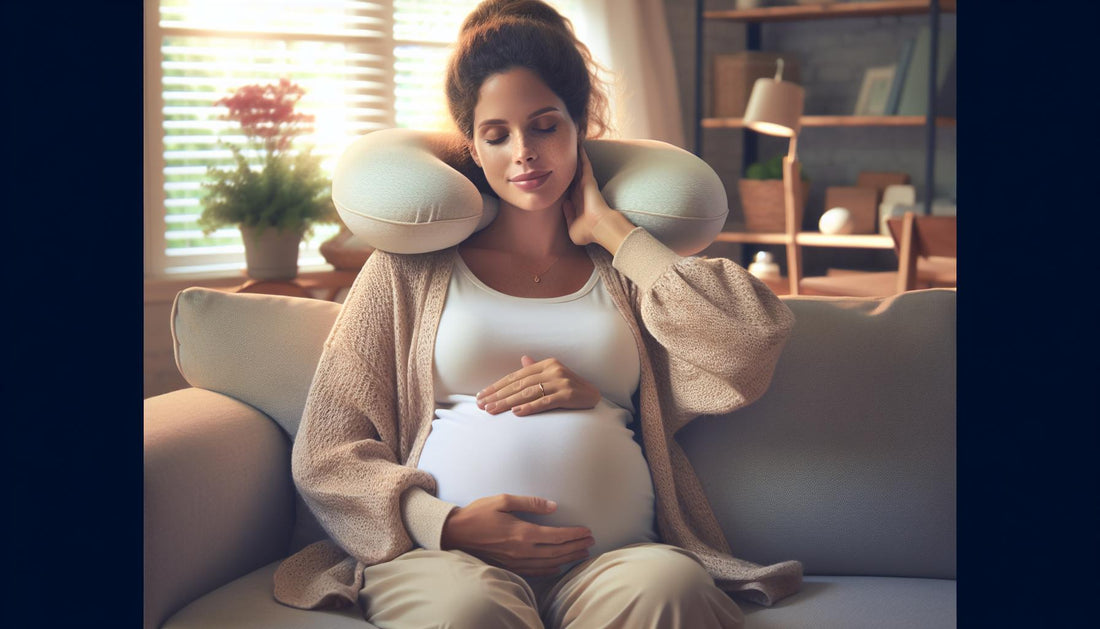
x=365 y=65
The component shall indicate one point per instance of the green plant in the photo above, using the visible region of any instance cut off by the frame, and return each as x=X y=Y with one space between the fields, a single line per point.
x=287 y=189
x=770 y=169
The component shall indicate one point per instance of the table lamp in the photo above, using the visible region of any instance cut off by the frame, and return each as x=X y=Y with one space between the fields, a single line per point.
x=775 y=108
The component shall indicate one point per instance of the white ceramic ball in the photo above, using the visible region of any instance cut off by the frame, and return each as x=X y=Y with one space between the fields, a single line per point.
x=837 y=220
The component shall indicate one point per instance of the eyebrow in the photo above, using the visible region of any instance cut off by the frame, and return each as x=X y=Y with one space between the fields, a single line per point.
x=535 y=114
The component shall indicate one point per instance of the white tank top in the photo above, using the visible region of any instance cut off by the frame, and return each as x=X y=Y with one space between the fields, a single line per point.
x=483 y=333
x=587 y=461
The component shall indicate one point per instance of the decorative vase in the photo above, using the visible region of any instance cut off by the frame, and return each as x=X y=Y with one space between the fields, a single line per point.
x=270 y=253
x=765 y=210
x=345 y=251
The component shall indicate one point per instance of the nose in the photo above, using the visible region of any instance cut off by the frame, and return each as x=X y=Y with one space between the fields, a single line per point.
x=524 y=150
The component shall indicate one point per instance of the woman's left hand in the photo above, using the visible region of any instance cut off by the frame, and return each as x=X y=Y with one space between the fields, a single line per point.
x=537 y=387
x=588 y=216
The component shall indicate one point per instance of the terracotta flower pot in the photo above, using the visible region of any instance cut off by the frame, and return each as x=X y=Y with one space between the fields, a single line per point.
x=271 y=254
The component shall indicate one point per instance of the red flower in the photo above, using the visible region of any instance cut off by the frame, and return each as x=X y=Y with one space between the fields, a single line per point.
x=266 y=114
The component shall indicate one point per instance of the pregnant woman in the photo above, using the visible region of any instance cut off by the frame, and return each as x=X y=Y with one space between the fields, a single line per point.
x=488 y=437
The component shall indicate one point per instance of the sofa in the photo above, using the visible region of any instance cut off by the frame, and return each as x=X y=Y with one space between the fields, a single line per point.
x=847 y=463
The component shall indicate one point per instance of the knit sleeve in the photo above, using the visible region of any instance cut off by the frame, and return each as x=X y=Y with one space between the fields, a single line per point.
x=714 y=332
x=346 y=457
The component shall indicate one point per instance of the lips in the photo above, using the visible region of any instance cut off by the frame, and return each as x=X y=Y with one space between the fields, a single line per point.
x=530 y=180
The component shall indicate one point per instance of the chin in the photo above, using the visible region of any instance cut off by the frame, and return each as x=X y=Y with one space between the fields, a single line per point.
x=533 y=205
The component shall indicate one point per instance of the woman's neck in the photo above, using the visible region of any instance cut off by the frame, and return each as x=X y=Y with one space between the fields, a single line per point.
x=531 y=234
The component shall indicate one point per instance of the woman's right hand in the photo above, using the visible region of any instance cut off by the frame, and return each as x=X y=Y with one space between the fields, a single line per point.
x=486 y=529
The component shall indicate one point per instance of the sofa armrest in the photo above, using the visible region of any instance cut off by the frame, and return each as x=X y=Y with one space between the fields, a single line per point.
x=219 y=498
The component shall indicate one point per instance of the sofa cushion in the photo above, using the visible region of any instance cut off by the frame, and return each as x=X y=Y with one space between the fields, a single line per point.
x=847 y=462
x=260 y=349
x=828 y=602
x=824 y=603
x=247 y=603
x=393 y=190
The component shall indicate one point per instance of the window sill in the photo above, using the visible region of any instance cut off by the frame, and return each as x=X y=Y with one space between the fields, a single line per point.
x=165 y=289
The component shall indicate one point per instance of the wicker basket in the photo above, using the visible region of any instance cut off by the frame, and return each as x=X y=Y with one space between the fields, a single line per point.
x=762 y=203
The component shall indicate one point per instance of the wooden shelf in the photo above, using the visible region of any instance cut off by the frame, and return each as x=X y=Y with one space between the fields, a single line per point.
x=753 y=238
x=829 y=11
x=839 y=121
x=809 y=239
x=856 y=241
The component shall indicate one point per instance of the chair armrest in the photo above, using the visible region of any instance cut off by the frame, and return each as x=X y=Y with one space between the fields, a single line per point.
x=219 y=498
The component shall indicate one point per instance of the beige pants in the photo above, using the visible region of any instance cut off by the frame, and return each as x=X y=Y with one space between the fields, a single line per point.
x=636 y=587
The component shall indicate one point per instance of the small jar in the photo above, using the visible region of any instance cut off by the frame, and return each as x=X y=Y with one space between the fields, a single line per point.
x=764 y=266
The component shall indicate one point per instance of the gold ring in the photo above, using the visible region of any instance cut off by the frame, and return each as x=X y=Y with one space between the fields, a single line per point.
x=541 y=388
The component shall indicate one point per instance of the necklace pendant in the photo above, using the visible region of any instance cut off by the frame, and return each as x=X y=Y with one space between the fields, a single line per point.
x=538 y=280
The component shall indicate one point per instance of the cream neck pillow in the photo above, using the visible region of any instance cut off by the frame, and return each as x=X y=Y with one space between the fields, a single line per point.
x=408 y=191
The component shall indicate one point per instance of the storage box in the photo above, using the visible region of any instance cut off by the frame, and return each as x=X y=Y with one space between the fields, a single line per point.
x=735 y=74
x=763 y=205
x=861 y=202
x=879 y=181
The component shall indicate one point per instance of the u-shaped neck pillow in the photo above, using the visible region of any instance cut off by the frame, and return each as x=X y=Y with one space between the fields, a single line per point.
x=409 y=191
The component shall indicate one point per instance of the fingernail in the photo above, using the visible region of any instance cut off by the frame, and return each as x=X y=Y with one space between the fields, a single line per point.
x=551 y=504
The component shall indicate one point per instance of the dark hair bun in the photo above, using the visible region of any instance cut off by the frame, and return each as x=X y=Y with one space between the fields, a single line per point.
x=502 y=34
x=534 y=10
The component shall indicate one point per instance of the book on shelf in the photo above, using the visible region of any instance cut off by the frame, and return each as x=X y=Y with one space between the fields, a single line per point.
x=913 y=96
x=899 y=76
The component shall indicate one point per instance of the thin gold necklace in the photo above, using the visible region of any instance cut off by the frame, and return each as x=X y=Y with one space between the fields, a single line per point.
x=537 y=277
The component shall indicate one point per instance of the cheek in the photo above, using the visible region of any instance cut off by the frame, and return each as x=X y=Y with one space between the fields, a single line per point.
x=573 y=163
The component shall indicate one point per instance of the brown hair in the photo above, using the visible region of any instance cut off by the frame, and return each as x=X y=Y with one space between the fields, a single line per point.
x=503 y=34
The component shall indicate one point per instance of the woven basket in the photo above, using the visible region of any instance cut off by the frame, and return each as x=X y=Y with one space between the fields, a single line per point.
x=762 y=203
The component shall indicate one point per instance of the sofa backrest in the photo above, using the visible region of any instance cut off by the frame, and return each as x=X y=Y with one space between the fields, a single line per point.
x=847 y=463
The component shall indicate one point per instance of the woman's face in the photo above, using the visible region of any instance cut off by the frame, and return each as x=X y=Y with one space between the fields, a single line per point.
x=524 y=140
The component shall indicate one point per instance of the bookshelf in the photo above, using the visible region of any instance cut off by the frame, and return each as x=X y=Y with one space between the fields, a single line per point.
x=752 y=19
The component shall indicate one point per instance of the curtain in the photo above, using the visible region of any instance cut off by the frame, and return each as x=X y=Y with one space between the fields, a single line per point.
x=630 y=38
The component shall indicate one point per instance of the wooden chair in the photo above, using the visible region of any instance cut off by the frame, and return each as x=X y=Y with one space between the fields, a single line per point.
x=926 y=249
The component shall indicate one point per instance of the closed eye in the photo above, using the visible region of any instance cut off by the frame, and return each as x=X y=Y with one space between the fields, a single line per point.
x=544 y=130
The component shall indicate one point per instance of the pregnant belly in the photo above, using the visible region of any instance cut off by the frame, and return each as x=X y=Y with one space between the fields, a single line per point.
x=586 y=461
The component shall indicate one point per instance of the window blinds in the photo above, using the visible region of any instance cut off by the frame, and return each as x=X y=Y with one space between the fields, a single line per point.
x=365 y=65
x=340 y=51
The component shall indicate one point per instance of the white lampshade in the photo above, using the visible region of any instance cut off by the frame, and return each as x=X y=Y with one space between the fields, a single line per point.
x=775 y=107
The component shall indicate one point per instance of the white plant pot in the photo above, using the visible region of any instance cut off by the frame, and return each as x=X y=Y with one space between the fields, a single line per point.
x=271 y=254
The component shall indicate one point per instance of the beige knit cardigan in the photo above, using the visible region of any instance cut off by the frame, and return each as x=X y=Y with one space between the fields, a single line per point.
x=710 y=337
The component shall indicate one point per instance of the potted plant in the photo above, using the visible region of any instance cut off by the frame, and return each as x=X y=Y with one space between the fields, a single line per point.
x=276 y=202
x=761 y=191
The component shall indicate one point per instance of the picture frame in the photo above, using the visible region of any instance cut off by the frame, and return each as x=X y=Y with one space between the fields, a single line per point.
x=875 y=91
